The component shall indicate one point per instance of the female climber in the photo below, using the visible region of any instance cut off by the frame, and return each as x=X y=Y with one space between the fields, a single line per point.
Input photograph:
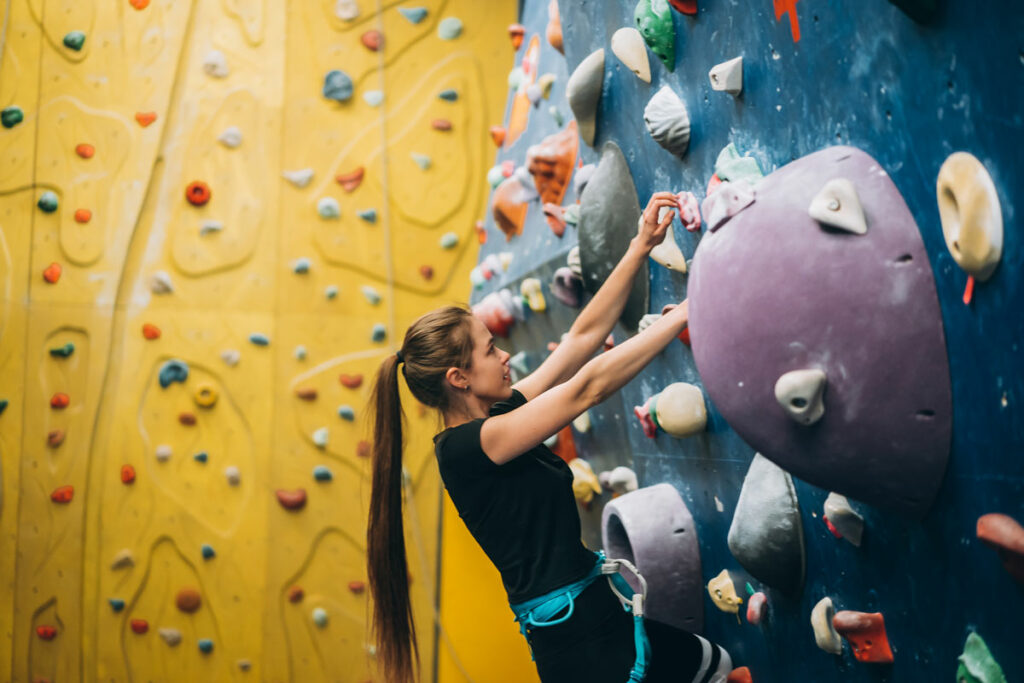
x=515 y=495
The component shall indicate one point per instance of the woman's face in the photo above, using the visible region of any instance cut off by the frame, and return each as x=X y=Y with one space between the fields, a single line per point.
x=489 y=378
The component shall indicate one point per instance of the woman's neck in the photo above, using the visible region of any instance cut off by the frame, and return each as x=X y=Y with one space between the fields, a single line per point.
x=472 y=408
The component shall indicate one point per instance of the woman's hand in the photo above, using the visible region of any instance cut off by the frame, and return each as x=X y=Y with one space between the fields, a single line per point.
x=650 y=231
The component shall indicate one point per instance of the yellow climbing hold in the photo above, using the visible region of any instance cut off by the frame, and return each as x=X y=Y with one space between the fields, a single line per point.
x=206 y=396
x=723 y=593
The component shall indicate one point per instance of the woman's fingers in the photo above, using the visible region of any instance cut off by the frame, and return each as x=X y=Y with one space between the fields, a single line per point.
x=667 y=221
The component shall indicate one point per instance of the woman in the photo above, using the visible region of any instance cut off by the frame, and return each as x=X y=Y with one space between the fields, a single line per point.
x=514 y=495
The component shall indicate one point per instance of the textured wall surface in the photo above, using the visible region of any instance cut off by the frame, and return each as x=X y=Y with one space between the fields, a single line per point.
x=865 y=75
x=142 y=61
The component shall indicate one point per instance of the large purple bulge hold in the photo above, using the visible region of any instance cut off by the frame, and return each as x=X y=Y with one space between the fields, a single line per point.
x=773 y=291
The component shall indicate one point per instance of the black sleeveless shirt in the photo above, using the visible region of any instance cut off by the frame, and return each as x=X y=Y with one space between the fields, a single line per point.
x=522 y=513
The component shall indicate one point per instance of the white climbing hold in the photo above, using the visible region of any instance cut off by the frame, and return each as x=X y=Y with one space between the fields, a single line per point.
x=449 y=240
x=123 y=559
x=320 y=616
x=629 y=46
x=505 y=260
x=371 y=294
x=450 y=28
x=231 y=137
x=422 y=160
x=582 y=422
x=160 y=283
x=299 y=352
x=230 y=356
x=667 y=253
x=838 y=206
x=825 y=635
x=171 y=636
x=572 y=260
x=328 y=208
x=373 y=97
x=215 y=64
x=210 y=226
x=668 y=122
x=801 y=394
x=725 y=202
x=346 y=10
x=844 y=518
x=233 y=475
x=620 y=480
x=727 y=76
x=647 y=321
x=320 y=437
x=163 y=452
x=300 y=177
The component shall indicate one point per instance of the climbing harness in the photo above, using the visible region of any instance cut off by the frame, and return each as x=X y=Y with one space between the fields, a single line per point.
x=541 y=611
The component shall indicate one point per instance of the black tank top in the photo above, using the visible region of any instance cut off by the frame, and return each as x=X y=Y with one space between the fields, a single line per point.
x=522 y=513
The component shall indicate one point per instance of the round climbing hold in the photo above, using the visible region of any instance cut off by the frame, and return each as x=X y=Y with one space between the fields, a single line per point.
x=63 y=494
x=322 y=473
x=426 y=272
x=55 y=438
x=127 y=474
x=85 y=150
x=187 y=419
x=63 y=351
x=299 y=352
x=144 y=118
x=205 y=645
x=188 y=600
x=295 y=594
x=206 y=396
x=139 y=4
x=350 y=381
x=116 y=604
x=60 y=401
x=46 y=632
x=331 y=291
x=48 y=202
x=83 y=215
x=337 y=86
x=379 y=333
x=291 y=500
x=74 y=40
x=233 y=475
x=372 y=40
x=11 y=116
x=515 y=34
x=197 y=193
x=449 y=240
x=172 y=371
x=320 y=437
x=450 y=28
x=207 y=551
x=139 y=626
x=150 y=331
x=52 y=273
x=320 y=616
x=163 y=453
x=328 y=207
x=301 y=266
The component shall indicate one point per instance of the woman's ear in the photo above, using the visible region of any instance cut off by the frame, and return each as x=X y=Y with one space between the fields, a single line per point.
x=456 y=379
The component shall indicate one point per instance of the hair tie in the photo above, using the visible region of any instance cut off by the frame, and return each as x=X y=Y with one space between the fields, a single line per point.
x=398 y=353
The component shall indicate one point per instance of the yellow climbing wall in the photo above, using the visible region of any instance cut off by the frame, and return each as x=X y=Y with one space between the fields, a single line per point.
x=152 y=89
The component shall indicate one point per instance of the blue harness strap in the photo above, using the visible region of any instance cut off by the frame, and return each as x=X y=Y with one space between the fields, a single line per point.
x=542 y=610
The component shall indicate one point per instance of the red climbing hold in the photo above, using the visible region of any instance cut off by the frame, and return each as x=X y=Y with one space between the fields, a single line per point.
x=351 y=381
x=145 y=118
x=46 y=632
x=52 y=273
x=684 y=336
x=372 y=40
x=127 y=474
x=427 y=272
x=85 y=150
x=784 y=6
x=498 y=135
x=831 y=527
x=363 y=449
x=481 y=232
x=866 y=633
x=187 y=419
x=516 y=33
x=139 y=4
x=1006 y=536
x=197 y=193
x=356 y=587
x=713 y=184
x=55 y=438
x=643 y=413
x=969 y=290
x=555 y=216
x=60 y=401
x=441 y=124
x=684 y=6
x=140 y=626
x=351 y=180
x=150 y=331
x=295 y=594
x=83 y=215
x=291 y=500
x=756 y=608
x=609 y=343
x=306 y=394
x=63 y=494
x=740 y=675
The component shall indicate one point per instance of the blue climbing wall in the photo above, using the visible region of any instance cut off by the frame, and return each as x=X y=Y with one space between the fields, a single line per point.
x=861 y=74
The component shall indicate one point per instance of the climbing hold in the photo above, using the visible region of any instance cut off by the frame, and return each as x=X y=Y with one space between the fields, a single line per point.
x=55 y=438
x=52 y=273
x=259 y=339
x=1003 y=534
x=667 y=253
x=299 y=352
x=825 y=635
x=686 y=7
x=306 y=393
x=197 y=193
x=230 y=356
x=520 y=365
x=83 y=215
x=379 y=332
x=207 y=551
x=244 y=664
x=619 y=480
x=215 y=64
x=301 y=266
x=583 y=91
x=139 y=626
x=801 y=395
x=206 y=395
x=187 y=419
x=371 y=294
x=127 y=474
x=498 y=135
x=567 y=287
x=201 y=457
x=422 y=160
x=351 y=180
x=551 y=163
x=11 y=116
x=363 y=449
x=48 y=202
x=546 y=83
x=689 y=211
x=346 y=10
x=449 y=28
x=842 y=520
x=322 y=473
x=63 y=494
x=582 y=422
x=60 y=401
x=976 y=664
x=328 y=207
x=727 y=76
x=85 y=150
x=494 y=176
x=530 y=289
x=553 y=32
x=654 y=20
x=766 y=535
x=742 y=674
x=725 y=202
x=368 y=215
x=46 y=632
x=350 y=381
x=123 y=559
x=756 y=607
x=441 y=124
x=414 y=14
x=838 y=206
x=449 y=95
x=723 y=593
x=372 y=40
x=331 y=291
x=584 y=482
x=230 y=137
x=357 y=587
x=729 y=165
x=171 y=636
x=449 y=240
x=295 y=594
x=320 y=616
x=319 y=437
x=515 y=34
x=150 y=331
x=678 y=410
x=972 y=219
x=668 y=121
x=163 y=453
x=346 y=412
x=582 y=177
x=116 y=604
x=74 y=40
x=188 y=600
x=556 y=114
x=374 y=98
x=298 y=178
x=571 y=215
x=233 y=475
x=337 y=86
x=628 y=45
x=144 y=118
x=205 y=645
x=866 y=634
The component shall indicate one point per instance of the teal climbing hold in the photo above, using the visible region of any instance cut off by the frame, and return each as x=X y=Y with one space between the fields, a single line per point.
x=414 y=14
x=331 y=291
x=259 y=339
x=379 y=333
x=48 y=202
x=74 y=40
x=422 y=160
x=116 y=604
x=732 y=167
x=11 y=116
x=322 y=473
x=299 y=352
x=207 y=551
x=338 y=86
x=62 y=351
x=750 y=589
x=449 y=95
x=201 y=456
x=977 y=664
x=3 y=405
x=345 y=412
x=371 y=294
x=173 y=371
x=301 y=266
x=368 y=215
x=205 y=645
x=450 y=28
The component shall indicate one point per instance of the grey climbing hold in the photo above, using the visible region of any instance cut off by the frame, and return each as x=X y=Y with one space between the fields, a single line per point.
x=766 y=535
x=844 y=518
x=414 y=14
x=233 y=475
x=583 y=91
x=837 y=205
x=210 y=226
x=163 y=452
x=172 y=371
x=230 y=137
x=299 y=178
x=48 y=202
x=230 y=357
x=216 y=64
x=801 y=393
x=727 y=76
x=338 y=86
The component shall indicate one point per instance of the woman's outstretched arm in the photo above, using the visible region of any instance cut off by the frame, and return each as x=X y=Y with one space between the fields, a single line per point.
x=504 y=437
x=597 y=319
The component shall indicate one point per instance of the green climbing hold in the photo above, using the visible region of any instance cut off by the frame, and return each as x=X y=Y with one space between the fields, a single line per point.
x=448 y=95
x=977 y=664
x=62 y=351
x=74 y=40
x=654 y=20
x=11 y=116
x=173 y=371
x=750 y=589
x=732 y=167
x=48 y=202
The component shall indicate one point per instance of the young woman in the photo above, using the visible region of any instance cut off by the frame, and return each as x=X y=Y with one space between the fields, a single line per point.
x=513 y=493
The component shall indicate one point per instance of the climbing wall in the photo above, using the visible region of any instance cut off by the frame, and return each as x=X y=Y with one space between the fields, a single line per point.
x=215 y=219
x=908 y=84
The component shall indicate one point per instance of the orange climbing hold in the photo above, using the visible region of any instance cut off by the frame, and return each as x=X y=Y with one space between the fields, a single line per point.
x=145 y=118
x=46 y=632
x=441 y=124
x=508 y=208
x=187 y=419
x=140 y=626
x=565 y=448
x=63 y=494
x=295 y=594
x=554 y=29
x=127 y=474
x=551 y=164
x=969 y=290
x=188 y=600
x=498 y=135
x=740 y=675
x=150 y=331
x=481 y=232
x=85 y=150
x=356 y=587
x=363 y=449
x=83 y=215
x=350 y=381
x=1006 y=536
x=372 y=40
x=516 y=33
x=427 y=272
x=351 y=180
x=306 y=393
x=866 y=633
x=291 y=500
x=139 y=4
x=55 y=438
x=52 y=273
x=784 y=6
x=519 y=113
x=197 y=193
x=60 y=400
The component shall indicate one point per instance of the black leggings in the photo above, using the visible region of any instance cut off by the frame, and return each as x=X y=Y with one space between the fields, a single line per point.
x=596 y=644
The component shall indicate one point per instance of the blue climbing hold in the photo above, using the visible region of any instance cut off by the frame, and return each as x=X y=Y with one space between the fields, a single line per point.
x=368 y=215
x=173 y=371
x=346 y=412
x=379 y=333
x=338 y=86
x=116 y=604
x=205 y=645
x=259 y=339
x=301 y=266
x=414 y=14
x=201 y=456
x=208 y=551
x=322 y=473
x=450 y=95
